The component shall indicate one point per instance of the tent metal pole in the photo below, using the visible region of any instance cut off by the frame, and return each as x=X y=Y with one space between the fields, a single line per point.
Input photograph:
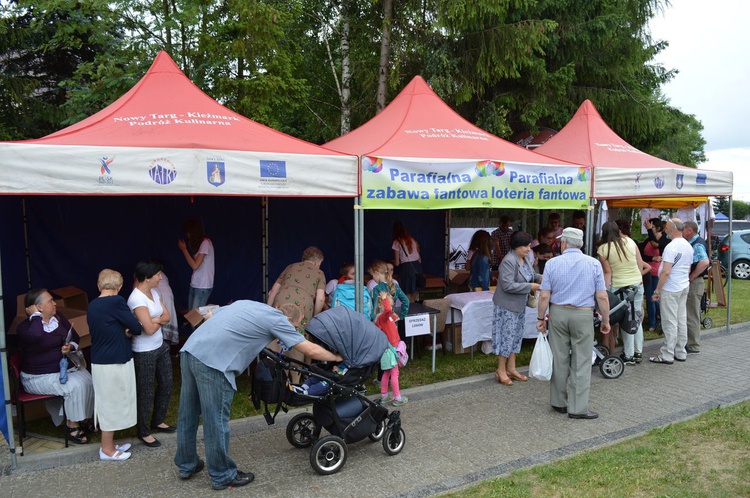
x=6 y=384
x=590 y=222
x=26 y=243
x=447 y=256
x=264 y=243
x=359 y=257
x=729 y=270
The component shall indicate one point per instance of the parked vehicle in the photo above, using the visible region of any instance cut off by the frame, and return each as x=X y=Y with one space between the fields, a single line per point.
x=739 y=241
x=721 y=227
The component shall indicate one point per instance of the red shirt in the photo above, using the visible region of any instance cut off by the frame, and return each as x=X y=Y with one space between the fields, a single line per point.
x=386 y=321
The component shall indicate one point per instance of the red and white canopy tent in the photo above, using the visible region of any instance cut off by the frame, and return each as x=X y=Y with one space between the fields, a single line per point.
x=166 y=137
x=620 y=171
x=627 y=177
x=418 y=153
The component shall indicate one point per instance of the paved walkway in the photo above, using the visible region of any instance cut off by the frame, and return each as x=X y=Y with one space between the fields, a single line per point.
x=457 y=433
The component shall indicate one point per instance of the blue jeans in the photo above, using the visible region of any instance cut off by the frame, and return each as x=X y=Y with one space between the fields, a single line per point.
x=206 y=391
x=652 y=307
x=198 y=297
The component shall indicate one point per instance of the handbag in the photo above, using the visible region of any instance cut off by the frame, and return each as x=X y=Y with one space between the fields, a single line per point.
x=540 y=366
x=531 y=300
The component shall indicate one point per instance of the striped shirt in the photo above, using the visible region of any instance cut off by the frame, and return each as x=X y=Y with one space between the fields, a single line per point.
x=573 y=279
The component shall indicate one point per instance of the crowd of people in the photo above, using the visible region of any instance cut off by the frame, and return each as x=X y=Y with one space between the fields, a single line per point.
x=130 y=383
x=665 y=272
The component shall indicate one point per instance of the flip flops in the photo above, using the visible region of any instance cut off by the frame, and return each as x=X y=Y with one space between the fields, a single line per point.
x=659 y=359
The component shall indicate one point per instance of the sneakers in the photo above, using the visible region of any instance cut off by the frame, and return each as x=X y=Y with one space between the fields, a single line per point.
x=638 y=357
x=692 y=351
x=386 y=399
x=400 y=402
x=241 y=479
x=376 y=382
x=627 y=360
x=198 y=467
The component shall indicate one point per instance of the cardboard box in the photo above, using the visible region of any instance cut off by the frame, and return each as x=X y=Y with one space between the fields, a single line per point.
x=72 y=297
x=77 y=319
x=459 y=277
x=196 y=316
x=455 y=339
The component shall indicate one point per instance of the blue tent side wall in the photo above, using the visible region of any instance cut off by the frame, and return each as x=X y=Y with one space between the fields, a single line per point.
x=71 y=238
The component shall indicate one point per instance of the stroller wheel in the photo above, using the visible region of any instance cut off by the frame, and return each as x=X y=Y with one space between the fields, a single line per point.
x=378 y=434
x=328 y=455
x=611 y=367
x=394 y=440
x=602 y=349
x=300 y=431
x=707 y=322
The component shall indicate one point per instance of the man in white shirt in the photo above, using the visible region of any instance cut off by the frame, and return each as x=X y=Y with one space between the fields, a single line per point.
x=672 y=292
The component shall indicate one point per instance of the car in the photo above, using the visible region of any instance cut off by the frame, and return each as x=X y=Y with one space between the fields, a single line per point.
x=721 y=227
x=739 y=241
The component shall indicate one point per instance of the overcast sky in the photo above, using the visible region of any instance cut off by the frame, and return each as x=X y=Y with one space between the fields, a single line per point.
x=708 y=45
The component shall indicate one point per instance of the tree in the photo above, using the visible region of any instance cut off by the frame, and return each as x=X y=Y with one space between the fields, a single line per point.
x=44 y=44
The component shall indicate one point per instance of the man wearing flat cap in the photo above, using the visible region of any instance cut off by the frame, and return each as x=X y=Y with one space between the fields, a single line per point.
x=573 y=282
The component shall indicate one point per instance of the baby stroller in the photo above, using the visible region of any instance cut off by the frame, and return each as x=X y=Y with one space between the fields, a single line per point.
x=342 y=409
x=621 y=312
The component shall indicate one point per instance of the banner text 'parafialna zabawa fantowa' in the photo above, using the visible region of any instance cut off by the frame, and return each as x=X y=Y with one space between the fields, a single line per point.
x=399 y=184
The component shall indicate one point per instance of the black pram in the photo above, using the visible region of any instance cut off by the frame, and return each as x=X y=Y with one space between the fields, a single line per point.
x=342 y=409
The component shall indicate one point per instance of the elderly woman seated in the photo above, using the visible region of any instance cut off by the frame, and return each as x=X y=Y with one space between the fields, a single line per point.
x=43 y=340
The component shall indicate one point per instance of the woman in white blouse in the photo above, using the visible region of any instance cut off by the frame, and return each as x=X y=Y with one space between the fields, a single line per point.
x=150 y=353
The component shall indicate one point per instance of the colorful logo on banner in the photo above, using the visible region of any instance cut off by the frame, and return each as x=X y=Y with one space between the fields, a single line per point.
x=489 y=168
x=679 y=181
x=105 y=174
x=273 y=169
x=659 y=182
x=701 y=179
x=582 y=173
x=162 y=171
x=105 y=162
x=216 y=172
x=637 y=184
x=372 y=164
x=402 y=184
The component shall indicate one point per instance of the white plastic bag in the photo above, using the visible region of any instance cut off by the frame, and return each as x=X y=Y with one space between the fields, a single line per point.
x=540 y=366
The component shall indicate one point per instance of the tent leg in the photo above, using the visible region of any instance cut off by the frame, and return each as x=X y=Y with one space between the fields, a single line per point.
x=6 y=384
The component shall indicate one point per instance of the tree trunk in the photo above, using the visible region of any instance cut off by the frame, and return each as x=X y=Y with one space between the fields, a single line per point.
x=346 y=75
x=385 y=55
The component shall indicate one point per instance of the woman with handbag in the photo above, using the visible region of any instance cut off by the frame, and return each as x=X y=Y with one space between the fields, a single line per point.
x=517 y=283
x=406 y=257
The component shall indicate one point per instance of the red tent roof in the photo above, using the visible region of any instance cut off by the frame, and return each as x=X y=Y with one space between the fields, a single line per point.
x=418 y=124
x=587 y=140
x=165 y=109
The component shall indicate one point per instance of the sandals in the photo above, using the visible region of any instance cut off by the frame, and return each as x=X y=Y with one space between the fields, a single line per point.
x=77 y=435
x=517 y=376
x=659 y=359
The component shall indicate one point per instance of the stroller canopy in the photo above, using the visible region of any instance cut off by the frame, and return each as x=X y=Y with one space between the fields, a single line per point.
x=349 y=334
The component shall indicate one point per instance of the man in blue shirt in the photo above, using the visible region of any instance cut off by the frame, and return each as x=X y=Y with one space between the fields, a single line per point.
x=698 y=272
x=219 y=350
x=573 y=282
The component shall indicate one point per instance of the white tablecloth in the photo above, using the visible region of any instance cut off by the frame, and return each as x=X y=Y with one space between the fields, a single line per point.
x=474 y=311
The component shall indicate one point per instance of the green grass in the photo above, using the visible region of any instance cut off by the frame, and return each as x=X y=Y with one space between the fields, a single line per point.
x=418 y=371
x=708 y=456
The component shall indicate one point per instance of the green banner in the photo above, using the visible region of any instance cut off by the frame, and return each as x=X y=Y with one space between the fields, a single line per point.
x=399 y=184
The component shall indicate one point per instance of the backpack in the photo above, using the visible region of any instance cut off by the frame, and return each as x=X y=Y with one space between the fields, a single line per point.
x=344 y=296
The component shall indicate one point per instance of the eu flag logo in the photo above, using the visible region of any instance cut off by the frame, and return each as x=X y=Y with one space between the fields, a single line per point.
x=273 y=169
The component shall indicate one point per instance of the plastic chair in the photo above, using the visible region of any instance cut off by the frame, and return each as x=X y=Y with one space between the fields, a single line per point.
x=444 y=306
x=19 y=397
